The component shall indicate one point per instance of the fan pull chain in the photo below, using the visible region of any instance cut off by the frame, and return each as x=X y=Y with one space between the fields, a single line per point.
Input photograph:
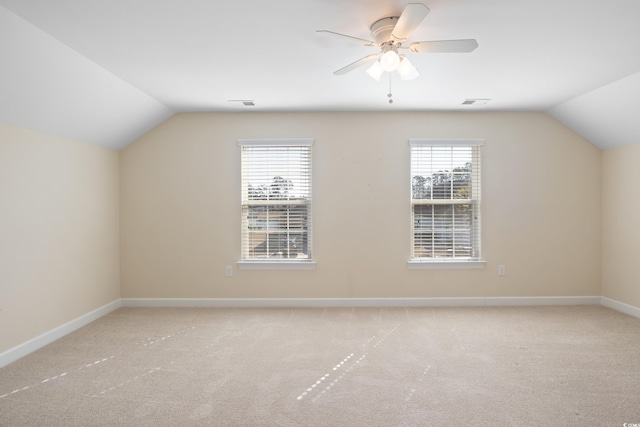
x=390 y=95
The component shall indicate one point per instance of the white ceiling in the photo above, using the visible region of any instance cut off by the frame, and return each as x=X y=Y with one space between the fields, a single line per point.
x=106 y=72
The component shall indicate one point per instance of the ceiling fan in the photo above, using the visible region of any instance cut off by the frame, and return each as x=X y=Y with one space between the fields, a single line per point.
x=389 y=34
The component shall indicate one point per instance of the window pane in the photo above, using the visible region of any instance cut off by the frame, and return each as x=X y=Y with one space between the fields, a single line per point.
x=442 y=244
x=276 y=173
x=424 y=224
x=277 y=231
x=441 y=173
x=462 y=237
x=276 y=197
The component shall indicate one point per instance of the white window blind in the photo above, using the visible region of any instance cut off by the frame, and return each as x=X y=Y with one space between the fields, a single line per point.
x=276 y=200
x=445 y=199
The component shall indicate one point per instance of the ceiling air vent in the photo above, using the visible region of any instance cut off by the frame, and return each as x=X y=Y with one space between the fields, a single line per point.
x=241 y=102
x=476 y=101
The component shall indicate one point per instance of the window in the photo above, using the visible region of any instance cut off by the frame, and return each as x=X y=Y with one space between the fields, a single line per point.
x=445 y=203
x=276 y=203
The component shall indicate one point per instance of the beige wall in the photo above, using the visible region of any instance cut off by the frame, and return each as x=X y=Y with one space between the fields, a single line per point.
x=58 y=232
x=180 y=215
x=621 y=231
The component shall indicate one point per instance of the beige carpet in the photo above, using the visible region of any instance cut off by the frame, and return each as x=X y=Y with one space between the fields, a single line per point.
x=524 y=366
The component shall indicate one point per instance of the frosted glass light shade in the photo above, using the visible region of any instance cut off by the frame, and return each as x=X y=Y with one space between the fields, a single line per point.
x=406 y=70
x=375 y=71
x=389 y=61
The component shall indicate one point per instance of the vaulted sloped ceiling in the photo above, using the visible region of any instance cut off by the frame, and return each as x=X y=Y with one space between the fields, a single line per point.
x=107 y=72
x=607 y=116
x=49 y=87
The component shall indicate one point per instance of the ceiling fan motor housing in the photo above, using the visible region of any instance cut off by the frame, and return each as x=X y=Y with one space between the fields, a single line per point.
x=381 y=31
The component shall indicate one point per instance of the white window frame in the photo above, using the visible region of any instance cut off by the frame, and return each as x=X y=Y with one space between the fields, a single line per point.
x=270 y=263
x=453 y=262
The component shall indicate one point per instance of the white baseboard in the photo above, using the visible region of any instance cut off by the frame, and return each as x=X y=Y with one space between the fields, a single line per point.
x=620 y=306
x=357 y=302
x=524 y=301
x=40 y=341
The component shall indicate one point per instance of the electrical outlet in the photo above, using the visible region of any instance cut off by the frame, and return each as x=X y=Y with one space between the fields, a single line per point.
x=229 y=271
x=501 y=270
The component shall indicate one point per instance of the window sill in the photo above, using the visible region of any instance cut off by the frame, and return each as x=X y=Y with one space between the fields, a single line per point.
x=446 y=264
x=276 y=265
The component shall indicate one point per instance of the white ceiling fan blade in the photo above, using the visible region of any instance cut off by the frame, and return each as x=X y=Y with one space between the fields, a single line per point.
x=352 y=38
x=411 y=17
x=356 y=64
x=444 y=46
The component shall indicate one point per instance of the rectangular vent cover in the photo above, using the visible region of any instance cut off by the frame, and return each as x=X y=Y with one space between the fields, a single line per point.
x=475 y=101
x=241 y=102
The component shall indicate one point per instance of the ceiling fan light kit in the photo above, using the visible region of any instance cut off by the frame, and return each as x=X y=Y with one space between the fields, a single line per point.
x=402 y=65
x=388 y=35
